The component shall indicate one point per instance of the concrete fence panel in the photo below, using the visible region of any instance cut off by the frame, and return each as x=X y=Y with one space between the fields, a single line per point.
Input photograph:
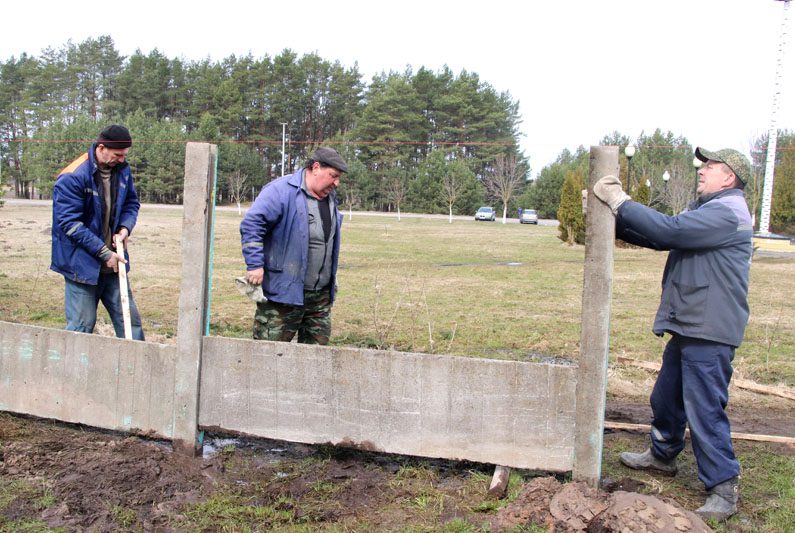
x=508 y=413
x=504 y=412
x=88 y=379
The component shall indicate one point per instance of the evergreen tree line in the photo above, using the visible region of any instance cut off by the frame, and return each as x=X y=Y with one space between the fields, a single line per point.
x=557 y=191
x=52 y=104
x=431 y=142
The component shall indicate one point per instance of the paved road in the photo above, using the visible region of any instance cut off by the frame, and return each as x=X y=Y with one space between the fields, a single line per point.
x=541 y=222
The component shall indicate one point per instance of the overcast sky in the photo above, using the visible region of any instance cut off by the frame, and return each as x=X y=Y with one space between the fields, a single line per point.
x=580 y=69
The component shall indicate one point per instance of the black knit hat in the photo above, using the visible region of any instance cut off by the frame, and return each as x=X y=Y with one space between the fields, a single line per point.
x=115 y=136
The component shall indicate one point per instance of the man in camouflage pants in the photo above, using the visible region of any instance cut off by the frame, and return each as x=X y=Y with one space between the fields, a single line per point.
x=291 y=242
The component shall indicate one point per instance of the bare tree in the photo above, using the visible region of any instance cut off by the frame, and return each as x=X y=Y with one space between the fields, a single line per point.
x=350 y=198
x=504 y=180
x=679 y=191
x=452 y=185
x=236 y=185
x=396 y=188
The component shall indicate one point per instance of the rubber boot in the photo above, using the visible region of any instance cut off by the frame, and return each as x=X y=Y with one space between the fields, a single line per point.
x=647 y=461
x=721 y=501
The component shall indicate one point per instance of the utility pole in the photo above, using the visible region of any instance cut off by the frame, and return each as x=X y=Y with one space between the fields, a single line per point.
x=284 y=129
x=772 y=137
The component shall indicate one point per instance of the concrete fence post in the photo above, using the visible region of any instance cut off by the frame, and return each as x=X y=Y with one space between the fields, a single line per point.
x=594 y=340
x=196 y=224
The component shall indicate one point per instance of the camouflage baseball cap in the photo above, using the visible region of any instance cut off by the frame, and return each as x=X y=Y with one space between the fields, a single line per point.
x=736 y=161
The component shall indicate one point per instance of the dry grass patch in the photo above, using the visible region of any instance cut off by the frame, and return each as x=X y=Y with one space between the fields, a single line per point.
x=466 y=288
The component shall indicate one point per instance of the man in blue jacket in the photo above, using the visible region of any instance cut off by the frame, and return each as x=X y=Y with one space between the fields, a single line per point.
x=94 y=200
x=704 y=307
x=291 y=243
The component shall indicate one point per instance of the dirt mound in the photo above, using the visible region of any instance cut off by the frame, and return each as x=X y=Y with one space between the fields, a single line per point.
x=93 y=475
x=578 y=507
x=81 y=479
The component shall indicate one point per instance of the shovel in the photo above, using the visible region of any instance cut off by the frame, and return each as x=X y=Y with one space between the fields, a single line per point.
x=124 y=292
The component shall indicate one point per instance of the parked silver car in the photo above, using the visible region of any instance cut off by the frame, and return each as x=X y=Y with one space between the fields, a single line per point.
x=486 y=213
x=528 y=216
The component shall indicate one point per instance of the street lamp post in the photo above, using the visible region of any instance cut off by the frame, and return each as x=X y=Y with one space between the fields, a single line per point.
x=696 y=165
x=629 y=151
x=284 y=129
x=665 y=177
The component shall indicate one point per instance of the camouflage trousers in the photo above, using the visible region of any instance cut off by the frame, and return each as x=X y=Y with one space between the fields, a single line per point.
x=280 y=322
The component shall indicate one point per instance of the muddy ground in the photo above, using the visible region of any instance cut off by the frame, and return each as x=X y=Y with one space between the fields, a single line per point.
x=72 y=478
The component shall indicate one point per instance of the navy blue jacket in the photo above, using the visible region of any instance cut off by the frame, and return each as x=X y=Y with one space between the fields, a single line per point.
x=275 y=236
x=77 y=216
x=705 y=282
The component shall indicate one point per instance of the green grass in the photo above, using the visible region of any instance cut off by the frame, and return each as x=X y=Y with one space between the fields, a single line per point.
x=32 y=498
x=232 y=512
x=122 y=516
x=767 y=482
x=429 y=286
x=481 y=290
x=768 y=488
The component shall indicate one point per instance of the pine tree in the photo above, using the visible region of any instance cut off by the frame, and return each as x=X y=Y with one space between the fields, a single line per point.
x=570 y=216
x=782 y=208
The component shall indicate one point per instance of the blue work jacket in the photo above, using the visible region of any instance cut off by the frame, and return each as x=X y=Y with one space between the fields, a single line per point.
x=705 y=282
x=77 y=217
x=275 y=236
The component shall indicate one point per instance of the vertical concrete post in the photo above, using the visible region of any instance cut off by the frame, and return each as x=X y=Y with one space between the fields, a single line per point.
x=594 y=342
x=196 y=224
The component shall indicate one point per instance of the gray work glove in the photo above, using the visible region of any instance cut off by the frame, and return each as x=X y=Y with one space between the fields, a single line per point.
x=608 y=189
x=252 y=292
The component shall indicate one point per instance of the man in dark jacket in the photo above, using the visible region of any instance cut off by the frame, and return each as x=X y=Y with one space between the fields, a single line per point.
x=94 y=200
x=291 y=242
x=704 y=307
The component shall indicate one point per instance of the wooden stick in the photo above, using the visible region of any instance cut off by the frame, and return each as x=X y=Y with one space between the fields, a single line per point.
x=499 y=482
x=764 y=389
x=739 y=383
x=640 y=364
x=736 y=436
x=123 y=290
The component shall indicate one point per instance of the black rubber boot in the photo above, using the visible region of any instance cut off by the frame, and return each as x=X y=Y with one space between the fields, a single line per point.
x=647 y=461
x=721 y=500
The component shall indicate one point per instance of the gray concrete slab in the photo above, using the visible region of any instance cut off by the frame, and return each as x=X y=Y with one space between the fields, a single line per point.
x=503 y=412
x=100 y=381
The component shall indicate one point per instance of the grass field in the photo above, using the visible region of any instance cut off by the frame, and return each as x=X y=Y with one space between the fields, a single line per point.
x=472 y=289
x=420 y=284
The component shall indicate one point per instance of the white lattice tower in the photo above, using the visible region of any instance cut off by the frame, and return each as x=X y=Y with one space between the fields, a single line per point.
x=770 y=163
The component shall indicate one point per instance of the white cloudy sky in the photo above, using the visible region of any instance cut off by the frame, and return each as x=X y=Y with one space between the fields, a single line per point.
x=580 y=69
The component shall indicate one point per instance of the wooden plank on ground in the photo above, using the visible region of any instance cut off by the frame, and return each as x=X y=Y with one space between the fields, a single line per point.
x=739 y=383
x=737 y=436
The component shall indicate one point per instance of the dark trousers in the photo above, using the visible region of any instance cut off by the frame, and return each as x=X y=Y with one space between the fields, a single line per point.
x=693 y=388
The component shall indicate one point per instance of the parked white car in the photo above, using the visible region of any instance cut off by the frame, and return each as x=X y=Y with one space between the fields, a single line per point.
x=486 y=213
x=529 y=216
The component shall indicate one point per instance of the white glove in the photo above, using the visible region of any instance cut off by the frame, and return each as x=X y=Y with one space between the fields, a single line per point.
x=608 y=189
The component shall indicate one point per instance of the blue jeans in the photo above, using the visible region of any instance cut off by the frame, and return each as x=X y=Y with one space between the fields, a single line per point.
x=81 y=301
x=693 y=388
